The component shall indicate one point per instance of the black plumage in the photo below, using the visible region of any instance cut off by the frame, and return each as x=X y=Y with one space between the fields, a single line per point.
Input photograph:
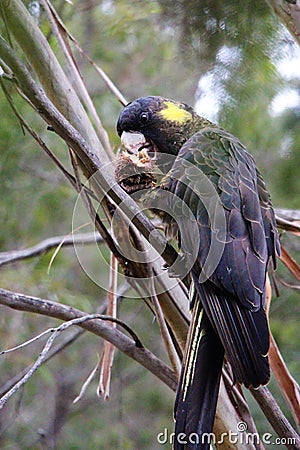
x=228 y=238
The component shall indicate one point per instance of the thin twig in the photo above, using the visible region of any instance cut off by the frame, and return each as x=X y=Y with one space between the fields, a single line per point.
x=95 y=218
x=32 y=370
x=36 y=137
x=88 y=381
x=30 y=341
x=126 y=327
x=296 y=287
x=290 y=263
x=91 y=316
x=61 y=34
x=39 y=140
x=111 y=86
x=53 y=352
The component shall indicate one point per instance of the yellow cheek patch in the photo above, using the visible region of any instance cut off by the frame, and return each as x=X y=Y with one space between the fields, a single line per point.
x=174 y=113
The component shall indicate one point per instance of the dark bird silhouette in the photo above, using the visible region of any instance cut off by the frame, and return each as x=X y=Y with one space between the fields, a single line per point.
x=213 y=200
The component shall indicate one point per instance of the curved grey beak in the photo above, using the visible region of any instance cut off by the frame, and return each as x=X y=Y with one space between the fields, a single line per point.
x=132 y=142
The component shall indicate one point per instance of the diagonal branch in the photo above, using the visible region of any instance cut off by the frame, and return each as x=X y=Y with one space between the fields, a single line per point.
x=276 y=418
x=101 y=176
x=62 y=38
x=287 y=383
x=42 y=59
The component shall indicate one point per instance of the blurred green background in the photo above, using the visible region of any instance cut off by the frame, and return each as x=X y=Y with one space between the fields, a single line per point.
x=239 y=66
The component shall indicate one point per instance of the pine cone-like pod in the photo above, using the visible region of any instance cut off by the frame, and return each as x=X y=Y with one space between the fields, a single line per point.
x=135 y=172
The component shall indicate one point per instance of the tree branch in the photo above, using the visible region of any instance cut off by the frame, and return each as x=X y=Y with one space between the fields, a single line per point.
x=276 y=418
x=54 y=351
x=289 y=214
x=47 y=245
x=57 y=85
x=62 y=345
x=100 y=175
x=61 y=35
x=126 y=345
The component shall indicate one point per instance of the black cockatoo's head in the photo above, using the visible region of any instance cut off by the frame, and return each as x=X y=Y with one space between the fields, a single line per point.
x=165 y=124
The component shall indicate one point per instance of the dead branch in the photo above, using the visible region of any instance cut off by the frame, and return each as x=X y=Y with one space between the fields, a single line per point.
x=53 y=352
x=42 y=356
x=62 y=38
x=165 y=333
x=288 y=214
x=47 y=245
x=61 y=346
x=126 y=345
x=88 y=381
x=54 y=333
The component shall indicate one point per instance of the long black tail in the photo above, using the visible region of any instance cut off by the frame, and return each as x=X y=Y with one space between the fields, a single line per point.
x=244 y=334
x=219 y=324
x=198 y=389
